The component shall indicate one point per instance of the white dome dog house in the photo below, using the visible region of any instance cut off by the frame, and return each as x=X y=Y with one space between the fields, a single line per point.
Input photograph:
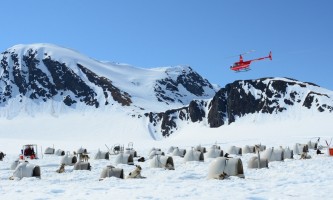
x=131 y=151
x=26 y=169
x=248 y=149
x=272 y=154
x=300 y=148
x=102 y=155
x=214 y=153
x=215 y=146
x=154 y=153
x=235 y=150
x=82 y=150
x=254 y=163
x=193 y=155
x=68 y=159
x=16 y=163
x=200 y=148
x=171 y=149
x=287 y=153
x=60 y=152
x=261 y=147
x=82 y=166
x=229 y=166
x=111 y=171
x=179 y=152
x=312 y=145
x=123 y=158
x=49 y=150
x=154 y=149
x=159 y=161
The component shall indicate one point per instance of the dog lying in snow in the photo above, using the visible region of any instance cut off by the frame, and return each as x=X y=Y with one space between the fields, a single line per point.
x=136 y=173
x=305 y=155
x=142 y=159
x=319 y=152
x=221 y=176
x=169 y=166
x=61 y=169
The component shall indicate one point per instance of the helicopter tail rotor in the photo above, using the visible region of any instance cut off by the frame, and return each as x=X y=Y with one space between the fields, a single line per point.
x=270 y=55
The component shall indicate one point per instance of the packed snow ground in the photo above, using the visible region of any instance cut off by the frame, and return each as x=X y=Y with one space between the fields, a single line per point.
x=290 y=179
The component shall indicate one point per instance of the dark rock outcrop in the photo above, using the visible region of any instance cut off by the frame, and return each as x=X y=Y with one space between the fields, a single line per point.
x=121 y=97
x=167 y=89
x=237 y=99
x=43 y=79
x=43 y=72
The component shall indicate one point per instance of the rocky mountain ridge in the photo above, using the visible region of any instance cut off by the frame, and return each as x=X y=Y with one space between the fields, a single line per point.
x=43 y=73
x=240 y=98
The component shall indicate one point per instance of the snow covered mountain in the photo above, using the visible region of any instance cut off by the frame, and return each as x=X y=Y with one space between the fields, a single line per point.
x=266 y=96
x=48 y=79
x=51 y=79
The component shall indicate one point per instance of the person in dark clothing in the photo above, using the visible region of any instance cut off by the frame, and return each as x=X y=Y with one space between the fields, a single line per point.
x=28 y=151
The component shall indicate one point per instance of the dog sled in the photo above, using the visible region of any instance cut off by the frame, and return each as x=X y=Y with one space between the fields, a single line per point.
x=29 y=151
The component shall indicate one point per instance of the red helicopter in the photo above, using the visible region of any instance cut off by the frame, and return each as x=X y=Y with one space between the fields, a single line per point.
x=243 y=66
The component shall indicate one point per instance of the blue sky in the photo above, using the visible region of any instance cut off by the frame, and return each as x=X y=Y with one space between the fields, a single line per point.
x=202 y=34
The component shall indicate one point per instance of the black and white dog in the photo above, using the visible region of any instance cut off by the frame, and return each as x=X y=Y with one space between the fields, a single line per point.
x=2 y=155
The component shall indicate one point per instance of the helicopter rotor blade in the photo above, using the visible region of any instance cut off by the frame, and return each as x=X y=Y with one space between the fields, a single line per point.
x=248 y=52
x=241 y=54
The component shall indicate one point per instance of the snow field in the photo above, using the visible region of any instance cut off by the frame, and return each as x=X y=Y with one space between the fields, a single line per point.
x=292 y=178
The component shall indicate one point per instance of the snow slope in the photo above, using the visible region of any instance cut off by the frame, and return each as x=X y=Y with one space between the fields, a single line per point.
x=29 y=75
